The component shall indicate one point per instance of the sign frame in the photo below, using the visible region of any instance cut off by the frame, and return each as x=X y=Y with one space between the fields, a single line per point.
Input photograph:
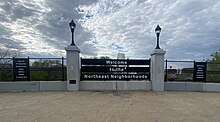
x=200 y=71
x=21 y=69
x=115 y=69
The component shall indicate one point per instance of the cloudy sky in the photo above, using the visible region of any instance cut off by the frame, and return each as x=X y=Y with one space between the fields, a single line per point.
x=39 y=28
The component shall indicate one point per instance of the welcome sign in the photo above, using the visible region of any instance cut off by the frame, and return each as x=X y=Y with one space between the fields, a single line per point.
x=115 y=69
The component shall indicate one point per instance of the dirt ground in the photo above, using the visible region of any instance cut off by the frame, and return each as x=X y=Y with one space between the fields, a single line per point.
x=109 y=106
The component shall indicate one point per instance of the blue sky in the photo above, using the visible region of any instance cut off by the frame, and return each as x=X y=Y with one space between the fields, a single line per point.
x=39 y=28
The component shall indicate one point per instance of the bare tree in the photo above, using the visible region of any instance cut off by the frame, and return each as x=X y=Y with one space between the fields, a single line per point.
x=104 y=57
x=6 y=54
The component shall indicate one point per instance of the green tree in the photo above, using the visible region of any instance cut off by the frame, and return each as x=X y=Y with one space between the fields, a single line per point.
x=213 y=67
x=214 y=62
x=215 y=57
x=46 y=70
x=47 y=64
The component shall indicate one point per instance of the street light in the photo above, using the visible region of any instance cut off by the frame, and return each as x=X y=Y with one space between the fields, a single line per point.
x=72 y=27
x=157 y=31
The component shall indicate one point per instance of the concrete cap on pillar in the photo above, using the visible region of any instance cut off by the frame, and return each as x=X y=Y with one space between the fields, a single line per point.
x=72 y=48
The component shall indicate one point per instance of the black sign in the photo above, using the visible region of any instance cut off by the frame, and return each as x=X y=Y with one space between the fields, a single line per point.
x=72 y=81
x=115 y=69
x=21 y=69
x=199 y=71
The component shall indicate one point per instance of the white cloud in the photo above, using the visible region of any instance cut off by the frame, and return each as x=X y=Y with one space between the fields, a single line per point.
x=23 y=17
x=190 y=28
x=40 y=28
x=187 y=26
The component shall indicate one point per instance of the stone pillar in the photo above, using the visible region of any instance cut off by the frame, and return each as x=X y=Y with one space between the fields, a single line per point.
x=157 y=69
x=73 y=67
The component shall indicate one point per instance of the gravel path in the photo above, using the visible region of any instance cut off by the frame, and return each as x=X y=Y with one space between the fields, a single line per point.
x=109 y=106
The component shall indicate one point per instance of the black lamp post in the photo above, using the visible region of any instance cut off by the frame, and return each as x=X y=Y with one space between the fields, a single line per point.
x=72 y=27
x=157 y=31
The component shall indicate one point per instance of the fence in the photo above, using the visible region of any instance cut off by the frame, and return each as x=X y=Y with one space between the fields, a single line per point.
x=40 y=69
x=54 y=69
x=6 y=69
x=213 y=72
x=184 y=71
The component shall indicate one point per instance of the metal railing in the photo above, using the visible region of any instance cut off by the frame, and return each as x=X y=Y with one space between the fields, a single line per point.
x=179 y=70
x=6 y=69
x=213 y=72
x=54 y=69
x=184 y=71
x=41 y=69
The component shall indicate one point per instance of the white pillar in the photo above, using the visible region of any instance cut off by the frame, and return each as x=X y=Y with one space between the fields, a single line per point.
x=73 y=67
x=157 y=69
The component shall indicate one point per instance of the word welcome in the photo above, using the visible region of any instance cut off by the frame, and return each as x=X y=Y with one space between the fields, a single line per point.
x=112 y=62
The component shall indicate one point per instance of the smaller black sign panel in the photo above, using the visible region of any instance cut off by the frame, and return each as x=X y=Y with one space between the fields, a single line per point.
x=199 y=71
x=21 y=69
x=72 y=81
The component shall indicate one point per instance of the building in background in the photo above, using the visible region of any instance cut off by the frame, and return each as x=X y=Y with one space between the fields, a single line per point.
x=120 y=56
